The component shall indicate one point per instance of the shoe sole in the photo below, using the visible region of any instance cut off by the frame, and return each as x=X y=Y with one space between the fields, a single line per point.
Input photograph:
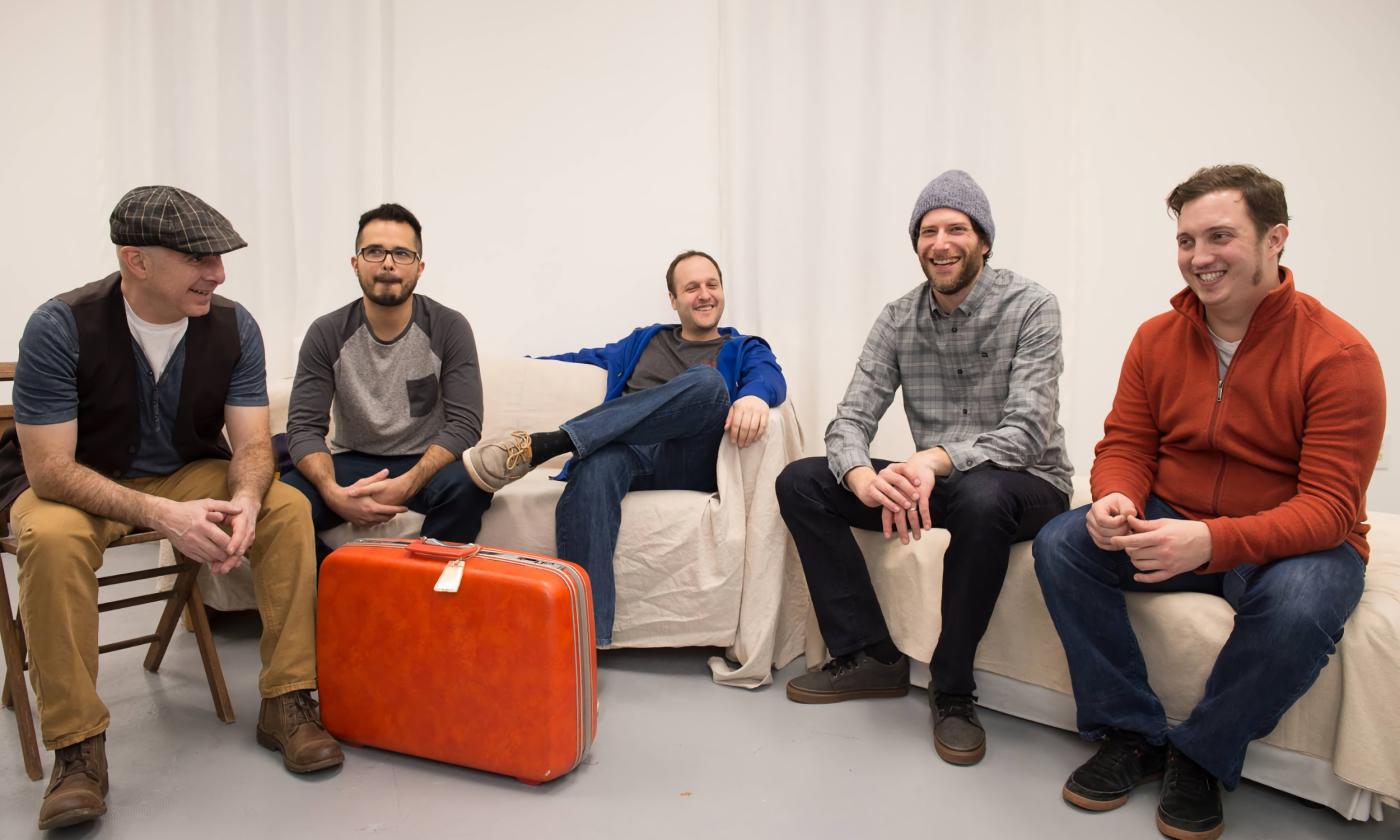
x=962 y=758
x=476 y=477
x=73 y=817
x=801 y=695
x=1177 y=833
x=1079 y=800
x=324 y=764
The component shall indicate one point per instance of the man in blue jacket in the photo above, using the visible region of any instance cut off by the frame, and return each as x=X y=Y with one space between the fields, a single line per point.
x=673 y=392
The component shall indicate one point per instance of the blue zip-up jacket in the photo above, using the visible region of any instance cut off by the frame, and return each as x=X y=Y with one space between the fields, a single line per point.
x=746 y=362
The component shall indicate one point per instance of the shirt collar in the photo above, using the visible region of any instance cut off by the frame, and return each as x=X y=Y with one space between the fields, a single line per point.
x=971 y=303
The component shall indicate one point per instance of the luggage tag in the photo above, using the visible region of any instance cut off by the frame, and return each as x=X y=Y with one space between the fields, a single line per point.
x=451 y=578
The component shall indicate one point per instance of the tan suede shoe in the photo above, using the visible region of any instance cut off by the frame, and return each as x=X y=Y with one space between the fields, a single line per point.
x=78 y=789
x=290 y=724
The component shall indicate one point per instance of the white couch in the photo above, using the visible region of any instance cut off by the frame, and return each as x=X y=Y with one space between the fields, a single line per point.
x=1339 y=745
x=705 y=569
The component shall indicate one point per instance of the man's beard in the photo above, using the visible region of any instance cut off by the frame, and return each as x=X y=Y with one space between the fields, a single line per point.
x=390 y=295
x=969 y=273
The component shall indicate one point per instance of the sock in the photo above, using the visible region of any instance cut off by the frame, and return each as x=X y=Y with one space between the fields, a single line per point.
x=884 y=651
x=545 y=445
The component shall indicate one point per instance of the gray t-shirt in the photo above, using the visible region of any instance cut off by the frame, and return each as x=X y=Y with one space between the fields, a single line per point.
x=389 y=398
x=668 y=355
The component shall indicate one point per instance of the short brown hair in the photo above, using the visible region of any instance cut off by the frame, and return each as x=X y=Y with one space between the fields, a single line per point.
x=685 y=255
x=1263 y=196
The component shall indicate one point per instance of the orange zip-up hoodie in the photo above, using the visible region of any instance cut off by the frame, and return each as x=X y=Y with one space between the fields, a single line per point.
x=1275 y=458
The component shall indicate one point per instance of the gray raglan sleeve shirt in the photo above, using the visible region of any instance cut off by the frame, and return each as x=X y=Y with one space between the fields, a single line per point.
x=388 y=398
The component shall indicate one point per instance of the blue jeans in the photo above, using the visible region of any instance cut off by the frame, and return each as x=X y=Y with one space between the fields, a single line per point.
x=451 y=503
x=664 y=438
x=1288 y=619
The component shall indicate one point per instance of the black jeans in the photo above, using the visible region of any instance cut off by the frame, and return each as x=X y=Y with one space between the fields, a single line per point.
x=985 y=511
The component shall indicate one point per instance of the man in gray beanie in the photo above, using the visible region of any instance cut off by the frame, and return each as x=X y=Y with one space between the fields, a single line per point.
x=977 y=351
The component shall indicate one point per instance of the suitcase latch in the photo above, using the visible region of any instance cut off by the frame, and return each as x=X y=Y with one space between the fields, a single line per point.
x=451 y=578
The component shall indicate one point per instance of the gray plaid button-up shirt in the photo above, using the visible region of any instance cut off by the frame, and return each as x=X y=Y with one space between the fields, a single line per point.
x=982 y=382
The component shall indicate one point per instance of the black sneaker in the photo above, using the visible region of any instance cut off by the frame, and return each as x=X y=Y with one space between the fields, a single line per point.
x=851 y=677
x=958 y=737
x=1190 y=808
x=1124 y=761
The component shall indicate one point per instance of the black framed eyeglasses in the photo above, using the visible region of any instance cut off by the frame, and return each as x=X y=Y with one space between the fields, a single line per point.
x=377 y=253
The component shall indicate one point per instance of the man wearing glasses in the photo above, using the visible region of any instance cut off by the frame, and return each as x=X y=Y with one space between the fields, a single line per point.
x=399 y=371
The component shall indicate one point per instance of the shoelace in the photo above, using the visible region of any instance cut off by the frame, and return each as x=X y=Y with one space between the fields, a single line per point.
x=955 y=705
x=841 y=665
x=76 y=759
x=302 y=709
x=517 y=450
x=1186 y=775
x=1118 y=752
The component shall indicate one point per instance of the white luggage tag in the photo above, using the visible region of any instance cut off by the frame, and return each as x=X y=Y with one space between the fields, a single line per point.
x=451 y=578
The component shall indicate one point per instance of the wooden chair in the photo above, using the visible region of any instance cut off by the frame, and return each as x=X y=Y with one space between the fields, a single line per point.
x=182 y=597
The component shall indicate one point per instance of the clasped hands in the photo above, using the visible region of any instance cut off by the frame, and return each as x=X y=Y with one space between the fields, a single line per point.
x=210 y=531
x=901 y=491
x=1160 y=549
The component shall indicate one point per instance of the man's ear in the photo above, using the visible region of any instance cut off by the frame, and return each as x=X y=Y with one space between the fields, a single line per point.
x=132 y=260
x=1275 y=239
x=672 y=296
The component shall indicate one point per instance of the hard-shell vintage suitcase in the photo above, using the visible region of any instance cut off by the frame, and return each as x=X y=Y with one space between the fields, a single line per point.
x=473 y=655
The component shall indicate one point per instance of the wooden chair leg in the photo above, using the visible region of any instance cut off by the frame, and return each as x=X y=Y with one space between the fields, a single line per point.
x=174 y=605
x=12 y=641
x=194 y=611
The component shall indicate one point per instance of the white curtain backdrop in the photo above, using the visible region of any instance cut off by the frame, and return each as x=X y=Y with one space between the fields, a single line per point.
x=559 y=154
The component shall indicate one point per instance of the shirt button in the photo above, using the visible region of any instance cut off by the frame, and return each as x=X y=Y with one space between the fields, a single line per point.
x=964 y=411
x=959 y=371
x=955 y=329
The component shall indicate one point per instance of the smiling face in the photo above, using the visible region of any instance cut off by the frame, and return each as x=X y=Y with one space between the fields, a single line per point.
x=1225 y=261
x=164 y=286
x=387 y=283
x=951 y=254
x=698 y=298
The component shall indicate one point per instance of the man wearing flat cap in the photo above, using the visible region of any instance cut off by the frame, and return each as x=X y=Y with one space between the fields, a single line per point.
x=977 y=351
x=122 y=393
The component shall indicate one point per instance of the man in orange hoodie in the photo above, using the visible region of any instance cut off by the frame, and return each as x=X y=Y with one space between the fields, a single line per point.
x=1235 y=461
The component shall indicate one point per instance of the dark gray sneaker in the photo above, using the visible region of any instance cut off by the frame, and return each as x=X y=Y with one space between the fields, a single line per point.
x=958 y=736
x=1190 y=807
x=851 y=677
x=1124 y=761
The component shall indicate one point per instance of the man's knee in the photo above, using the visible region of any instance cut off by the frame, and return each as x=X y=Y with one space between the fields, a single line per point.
x=980 y=499
x=285 y=503
x=800 y=482
x=1059 y=543
x=1304 y=595
x=56 y=539
x=614 y=462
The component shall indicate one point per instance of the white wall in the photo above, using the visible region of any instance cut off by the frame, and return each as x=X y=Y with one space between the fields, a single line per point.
x=560 y=153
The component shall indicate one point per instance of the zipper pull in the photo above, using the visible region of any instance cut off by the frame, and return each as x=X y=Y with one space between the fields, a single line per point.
x=451 y=578
x=1220 y=391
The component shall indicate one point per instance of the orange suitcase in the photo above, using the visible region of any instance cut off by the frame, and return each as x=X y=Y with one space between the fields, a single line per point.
x=473 y=655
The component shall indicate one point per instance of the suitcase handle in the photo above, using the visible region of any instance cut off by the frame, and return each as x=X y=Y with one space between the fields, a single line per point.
x=438 y=550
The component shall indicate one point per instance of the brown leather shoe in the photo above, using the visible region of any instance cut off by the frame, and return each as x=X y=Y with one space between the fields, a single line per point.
x=78 y=789
x=290 y=724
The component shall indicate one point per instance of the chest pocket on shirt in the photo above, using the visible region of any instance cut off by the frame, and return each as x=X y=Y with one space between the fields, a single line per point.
x=422 y=395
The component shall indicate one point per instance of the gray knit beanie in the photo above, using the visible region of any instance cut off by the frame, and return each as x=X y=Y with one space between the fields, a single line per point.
x=956 y=189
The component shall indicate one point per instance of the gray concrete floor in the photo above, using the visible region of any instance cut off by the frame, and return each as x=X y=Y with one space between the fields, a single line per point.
x=676 y=756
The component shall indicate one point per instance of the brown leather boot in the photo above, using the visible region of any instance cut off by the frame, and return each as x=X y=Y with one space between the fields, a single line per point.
x=290 y=724
x=78 y=789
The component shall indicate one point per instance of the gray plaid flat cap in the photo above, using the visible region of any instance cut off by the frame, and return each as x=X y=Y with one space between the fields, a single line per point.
x=174 y=219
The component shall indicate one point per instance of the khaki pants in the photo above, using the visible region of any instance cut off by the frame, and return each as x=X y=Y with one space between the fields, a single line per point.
x=60 y=551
